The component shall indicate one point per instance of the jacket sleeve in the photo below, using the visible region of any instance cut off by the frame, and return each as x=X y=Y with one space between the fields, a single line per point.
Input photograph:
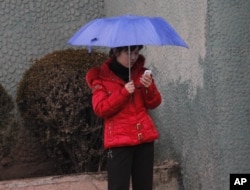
x=105 y=104
x=152 y=96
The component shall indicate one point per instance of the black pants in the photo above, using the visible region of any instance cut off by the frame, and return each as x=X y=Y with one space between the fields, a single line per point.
x=135 y=162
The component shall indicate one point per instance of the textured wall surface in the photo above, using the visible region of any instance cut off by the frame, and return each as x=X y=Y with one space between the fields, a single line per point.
x=31 y=29
x=204 y=119
x=228 y=76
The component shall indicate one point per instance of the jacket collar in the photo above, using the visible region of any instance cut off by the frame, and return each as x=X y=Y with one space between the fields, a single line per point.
x=107 y=74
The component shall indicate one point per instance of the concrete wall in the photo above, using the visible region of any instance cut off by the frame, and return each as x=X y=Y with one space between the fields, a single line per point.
x=227 y=68
x=204 y=118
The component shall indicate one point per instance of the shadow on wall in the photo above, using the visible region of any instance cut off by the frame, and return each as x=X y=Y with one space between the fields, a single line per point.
x=172 y=120
x=187 y=128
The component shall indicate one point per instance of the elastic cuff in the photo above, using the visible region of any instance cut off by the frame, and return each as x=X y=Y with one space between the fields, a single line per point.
x=124 y=92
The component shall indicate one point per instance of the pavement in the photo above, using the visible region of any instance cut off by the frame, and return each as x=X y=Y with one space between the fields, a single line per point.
x=71 y=182
x=164 y=178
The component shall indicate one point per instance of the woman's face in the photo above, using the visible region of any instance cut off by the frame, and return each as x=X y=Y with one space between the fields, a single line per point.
x=123 y=57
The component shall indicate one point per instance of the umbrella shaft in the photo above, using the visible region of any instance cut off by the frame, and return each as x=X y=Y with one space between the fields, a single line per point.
x=129 y=64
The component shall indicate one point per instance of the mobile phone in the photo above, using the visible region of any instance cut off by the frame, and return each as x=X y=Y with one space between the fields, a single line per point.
x=147 y=72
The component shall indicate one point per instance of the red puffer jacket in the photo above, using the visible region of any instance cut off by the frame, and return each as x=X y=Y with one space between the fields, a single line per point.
x=126 y=118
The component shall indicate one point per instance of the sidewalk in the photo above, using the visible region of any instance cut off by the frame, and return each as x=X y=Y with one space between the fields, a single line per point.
x=72 y=182
x=165 y=177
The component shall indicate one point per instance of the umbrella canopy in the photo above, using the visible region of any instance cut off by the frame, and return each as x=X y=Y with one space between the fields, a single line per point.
x=127 y=30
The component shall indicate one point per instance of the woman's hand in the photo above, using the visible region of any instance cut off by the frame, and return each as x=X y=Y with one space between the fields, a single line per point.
x=130 y=87
x=146 y=80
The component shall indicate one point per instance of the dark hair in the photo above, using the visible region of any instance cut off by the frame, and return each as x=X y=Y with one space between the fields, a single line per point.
x=118 y=50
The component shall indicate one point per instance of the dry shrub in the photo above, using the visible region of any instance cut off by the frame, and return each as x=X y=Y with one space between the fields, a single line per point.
x=55 y=102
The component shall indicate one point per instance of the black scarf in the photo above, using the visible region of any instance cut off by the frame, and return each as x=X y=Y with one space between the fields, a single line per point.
x=120 y=70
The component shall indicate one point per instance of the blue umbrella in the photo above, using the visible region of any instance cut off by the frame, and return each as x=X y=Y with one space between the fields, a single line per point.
x=127 y=30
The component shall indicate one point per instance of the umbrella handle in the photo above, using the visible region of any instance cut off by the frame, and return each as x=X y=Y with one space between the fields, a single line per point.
x=129 y=65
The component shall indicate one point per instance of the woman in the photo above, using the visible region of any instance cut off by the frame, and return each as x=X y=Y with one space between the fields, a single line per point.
x=129 y=131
